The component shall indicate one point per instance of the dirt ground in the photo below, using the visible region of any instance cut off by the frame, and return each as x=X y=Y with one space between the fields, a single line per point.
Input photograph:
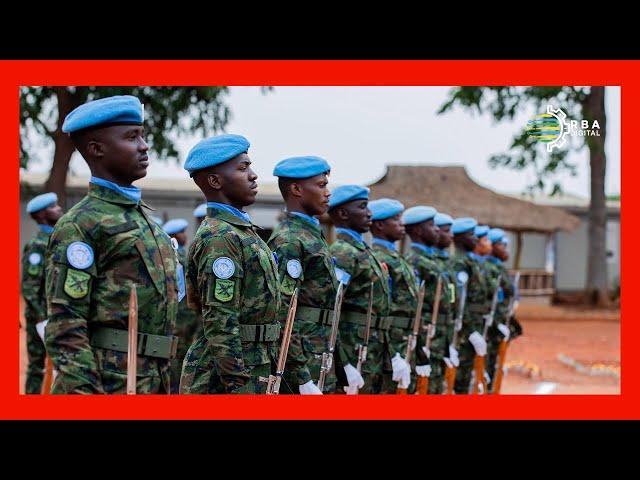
x=585 y=336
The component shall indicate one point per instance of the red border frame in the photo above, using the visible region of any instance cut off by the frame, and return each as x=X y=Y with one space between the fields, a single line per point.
x=281 y=73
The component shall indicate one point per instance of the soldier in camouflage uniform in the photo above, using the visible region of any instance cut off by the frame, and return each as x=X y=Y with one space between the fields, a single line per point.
x=358 y=268
x=387 y=228
x=422 y=256
x=478 y=302
x=188 y=323
x=98 y=250
x=232 y=277
x=45 y=211
x=304 y=262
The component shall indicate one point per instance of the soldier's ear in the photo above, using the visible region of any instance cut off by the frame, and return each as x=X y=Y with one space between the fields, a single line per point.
x=342 y=213
x=295 y=189
x=95 y=148
x=214 y=181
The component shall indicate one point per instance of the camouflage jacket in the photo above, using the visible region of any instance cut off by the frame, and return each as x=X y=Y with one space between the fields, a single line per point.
x=186 y=317
x=495 y=267
x=232 y=280
x=478 y=301
x=447 y=302
x=100 y=248
x=297 y=240
x=33 y=277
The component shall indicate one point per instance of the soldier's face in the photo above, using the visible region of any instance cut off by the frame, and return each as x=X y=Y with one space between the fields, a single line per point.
x=430 y=232
x=314 y=194
x=500 y=251
x=238 y=181
x=122 y=152
x=52 y=214
x=483 y=247
x=466 y=240
x=358 y=215
x=392 y=228
x=444 y=236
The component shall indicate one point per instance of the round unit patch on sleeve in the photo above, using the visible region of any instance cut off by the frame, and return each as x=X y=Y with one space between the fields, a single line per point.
x=294 y=269
x=35 y=259
x=80 y=255
x=223 y=267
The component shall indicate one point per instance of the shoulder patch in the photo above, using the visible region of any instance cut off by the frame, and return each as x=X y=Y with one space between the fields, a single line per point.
x=76 y=283
x=80 y=255
x=294 y=269
x=223 y=267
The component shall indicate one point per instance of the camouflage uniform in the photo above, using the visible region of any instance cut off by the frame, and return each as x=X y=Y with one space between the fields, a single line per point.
x=188 y=327
x=428 y=267
x=478 y=303
x=357 y=259
x=239 y=308
x=404 y=300
x=33 y=275
x=297 y=239
x=86 y=336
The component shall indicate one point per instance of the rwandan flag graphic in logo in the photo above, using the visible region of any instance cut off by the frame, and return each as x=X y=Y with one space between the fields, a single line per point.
x=544 y=127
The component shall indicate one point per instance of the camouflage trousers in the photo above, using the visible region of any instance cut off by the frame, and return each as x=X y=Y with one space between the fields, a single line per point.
x=493 y=343
x=36 y=354
x=466 y=355
x=188 y=326
x=398 y=339
x=438 y=350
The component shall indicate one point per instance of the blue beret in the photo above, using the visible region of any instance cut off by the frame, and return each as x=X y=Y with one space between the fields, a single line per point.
x=385 y=208
x=347 y=193
x=496 y=235
x=442 y=219
x=301 y=167
x=505 y=240
x=481 y=230
x=214 y=151
x=418 y=214
x=175 y=225
x=201 y=210
x=462 y=225
x=41 y=201
x=118 y=110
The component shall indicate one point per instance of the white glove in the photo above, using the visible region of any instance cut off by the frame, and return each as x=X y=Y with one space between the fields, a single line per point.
x=309 y=388
x=423 y=370
x=504 y=330
x=479 y=344
x=354 y=378
x=448 y=362
x=453 y=356
x=40 y=328
x=426 y=351
x=401 y=371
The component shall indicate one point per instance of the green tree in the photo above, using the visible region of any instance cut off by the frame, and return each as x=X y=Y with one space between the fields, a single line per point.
x=525 y=152
x=169 y=112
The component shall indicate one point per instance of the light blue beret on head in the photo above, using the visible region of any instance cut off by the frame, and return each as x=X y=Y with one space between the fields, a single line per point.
x=41 y=201
x=418 y=214
x=201 y=210
x=175 y=225
x=347 y=193
x=301 y=167
x=496 y=235
x=481 y=230
x=442 y=219
x=385 y=208
x=118 y=110
x=462 y=225
x=214 y=151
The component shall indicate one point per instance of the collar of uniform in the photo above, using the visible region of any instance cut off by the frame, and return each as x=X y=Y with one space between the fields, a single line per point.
x=494 y=260
x=232 y=210
x=305 y=220
x=352 y=237
x=110 y=195
x=425 y=248
x=226 y=215
x=48 y=229
x=442 y=252
x=385 y=243
x=134 y=193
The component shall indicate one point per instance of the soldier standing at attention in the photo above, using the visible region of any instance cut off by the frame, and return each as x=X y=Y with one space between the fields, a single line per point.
x=188 y=324
x=45 y=211
x=101 y=248
x=304 y=262
x=477 y=304
x=387 y=228
x=358 y=268
x=232 y=277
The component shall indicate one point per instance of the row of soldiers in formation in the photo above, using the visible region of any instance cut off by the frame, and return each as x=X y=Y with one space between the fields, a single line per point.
x=218 y=319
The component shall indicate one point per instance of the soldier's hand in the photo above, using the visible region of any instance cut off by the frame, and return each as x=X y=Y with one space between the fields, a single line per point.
x=423 y=370
x=40 y=328
x=353 y=377
x=453 y=356
x=504 y=330
x=401 y=371
x=479 y=344
x=309 y=388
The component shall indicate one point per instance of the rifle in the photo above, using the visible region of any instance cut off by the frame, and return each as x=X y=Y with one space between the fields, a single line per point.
x=273 y=382
x=362 y=349
x=413 y=337
x=48 y=376
x=422 y=383
x=327 y=357
x=504 y=343
x=132 y=349
x=480 y=383
x=461 y=282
